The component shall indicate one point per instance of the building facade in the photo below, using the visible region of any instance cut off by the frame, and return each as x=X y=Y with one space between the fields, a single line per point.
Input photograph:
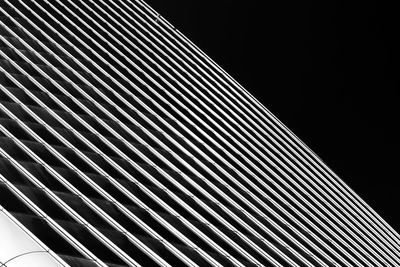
x=122 y=144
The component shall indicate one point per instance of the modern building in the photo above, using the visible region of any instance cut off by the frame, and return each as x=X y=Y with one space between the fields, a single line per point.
x=122 y=144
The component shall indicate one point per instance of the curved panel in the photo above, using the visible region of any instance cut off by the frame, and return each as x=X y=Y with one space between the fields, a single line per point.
x=15 y=242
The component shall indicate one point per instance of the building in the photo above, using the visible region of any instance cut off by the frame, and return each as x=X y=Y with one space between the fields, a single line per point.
x=122 y=144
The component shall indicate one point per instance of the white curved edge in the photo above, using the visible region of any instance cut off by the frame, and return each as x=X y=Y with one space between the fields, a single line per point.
x=19 y=247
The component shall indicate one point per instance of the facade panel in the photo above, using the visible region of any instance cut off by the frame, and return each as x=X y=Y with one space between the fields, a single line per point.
x=122 y=144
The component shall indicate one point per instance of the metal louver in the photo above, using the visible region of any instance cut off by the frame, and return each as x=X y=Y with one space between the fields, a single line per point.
x=122 y=144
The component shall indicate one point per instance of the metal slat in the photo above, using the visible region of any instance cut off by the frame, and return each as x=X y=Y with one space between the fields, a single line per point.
x=295 y=159
x=162 y=22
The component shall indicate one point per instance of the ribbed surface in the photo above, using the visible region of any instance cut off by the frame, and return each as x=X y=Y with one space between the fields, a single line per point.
x=122 y=144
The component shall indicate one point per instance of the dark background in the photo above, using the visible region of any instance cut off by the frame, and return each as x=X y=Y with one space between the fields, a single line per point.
x=327 y=70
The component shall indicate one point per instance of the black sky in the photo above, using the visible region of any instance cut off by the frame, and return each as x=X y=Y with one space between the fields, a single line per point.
x=328 y=70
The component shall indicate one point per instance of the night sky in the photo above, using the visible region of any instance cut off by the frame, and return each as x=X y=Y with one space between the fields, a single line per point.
x=328 y=71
